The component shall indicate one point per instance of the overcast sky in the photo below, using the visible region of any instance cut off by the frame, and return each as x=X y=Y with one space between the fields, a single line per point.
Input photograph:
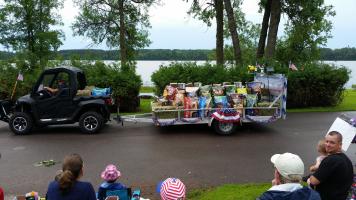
x=172 y=28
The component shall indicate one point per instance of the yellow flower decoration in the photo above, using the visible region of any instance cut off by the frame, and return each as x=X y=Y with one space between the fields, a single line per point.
x=252 y=68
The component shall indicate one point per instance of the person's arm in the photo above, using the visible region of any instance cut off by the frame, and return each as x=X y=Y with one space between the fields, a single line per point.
x=91 y=193
x=313 y=181
x=325 y=169
x=101 y=193
x=51 y=89
x=314 y=167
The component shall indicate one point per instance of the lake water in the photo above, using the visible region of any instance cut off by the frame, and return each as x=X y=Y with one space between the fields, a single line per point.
x=350 y=65
x=146 y=68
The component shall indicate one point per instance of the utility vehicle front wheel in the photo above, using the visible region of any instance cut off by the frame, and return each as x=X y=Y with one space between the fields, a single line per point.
x=21 y=123
x=91 y=122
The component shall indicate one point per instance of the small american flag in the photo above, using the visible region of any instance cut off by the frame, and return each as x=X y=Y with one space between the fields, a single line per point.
x=20 y=77
x=293 y=67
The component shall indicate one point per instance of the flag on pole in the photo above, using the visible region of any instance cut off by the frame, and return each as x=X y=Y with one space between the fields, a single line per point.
x=293 y=67
x=20 y=77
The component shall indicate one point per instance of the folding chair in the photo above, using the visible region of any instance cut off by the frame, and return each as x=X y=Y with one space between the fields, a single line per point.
x=124 y=194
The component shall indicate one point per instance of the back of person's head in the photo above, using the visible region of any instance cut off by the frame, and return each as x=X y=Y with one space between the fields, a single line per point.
x=171 y=189
x=71 y=171
x=289 y=166
x=321 y=147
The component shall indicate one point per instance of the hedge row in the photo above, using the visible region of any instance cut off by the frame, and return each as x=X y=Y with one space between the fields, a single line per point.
x=315 y=85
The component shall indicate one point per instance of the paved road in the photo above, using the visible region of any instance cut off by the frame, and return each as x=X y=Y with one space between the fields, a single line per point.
x=147 y=154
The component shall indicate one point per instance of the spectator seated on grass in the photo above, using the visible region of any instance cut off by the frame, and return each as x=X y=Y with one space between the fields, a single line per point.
x=67 y=185
x=110 y=175
x=288 y=173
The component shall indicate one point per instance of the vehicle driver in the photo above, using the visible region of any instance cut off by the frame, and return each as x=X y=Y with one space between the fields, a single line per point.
x=61 y=85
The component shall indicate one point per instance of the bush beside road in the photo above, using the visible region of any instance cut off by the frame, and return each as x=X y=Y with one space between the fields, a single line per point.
x=348 y=103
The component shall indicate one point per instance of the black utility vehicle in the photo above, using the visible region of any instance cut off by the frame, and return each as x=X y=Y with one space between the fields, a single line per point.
x=54 y=100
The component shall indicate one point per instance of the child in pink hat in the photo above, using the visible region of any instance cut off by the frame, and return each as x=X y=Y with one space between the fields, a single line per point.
x=110 y=175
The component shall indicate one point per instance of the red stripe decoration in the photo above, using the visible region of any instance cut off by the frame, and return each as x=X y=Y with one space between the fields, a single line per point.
x=226 y=115
x=172 y=189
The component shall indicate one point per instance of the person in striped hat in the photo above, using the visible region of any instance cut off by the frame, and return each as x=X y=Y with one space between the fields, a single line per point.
x=172 y=189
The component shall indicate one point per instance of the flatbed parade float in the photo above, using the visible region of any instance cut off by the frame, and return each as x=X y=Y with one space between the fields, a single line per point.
x=223 y=106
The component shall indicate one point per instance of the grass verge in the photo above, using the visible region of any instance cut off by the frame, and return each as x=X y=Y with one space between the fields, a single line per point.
x=145 y=106
x=230 y=192
x=146 y=89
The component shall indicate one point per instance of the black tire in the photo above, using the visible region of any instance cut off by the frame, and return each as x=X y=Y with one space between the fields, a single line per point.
x=91 y=122
x=224 y=128
x=21 y=123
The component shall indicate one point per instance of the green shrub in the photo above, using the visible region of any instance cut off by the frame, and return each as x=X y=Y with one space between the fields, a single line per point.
x=317 y=85
x=124 y=83
x=353 y=86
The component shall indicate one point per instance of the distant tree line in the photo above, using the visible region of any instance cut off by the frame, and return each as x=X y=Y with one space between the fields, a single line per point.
x=174 y=54
x=338 y=54
x=144 y=54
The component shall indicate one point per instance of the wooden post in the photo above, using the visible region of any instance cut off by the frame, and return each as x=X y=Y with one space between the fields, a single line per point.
x=13 y=90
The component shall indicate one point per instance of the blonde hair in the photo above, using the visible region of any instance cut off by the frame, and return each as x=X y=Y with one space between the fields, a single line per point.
x=72 y=167
x=321 y=147
x=291 y=178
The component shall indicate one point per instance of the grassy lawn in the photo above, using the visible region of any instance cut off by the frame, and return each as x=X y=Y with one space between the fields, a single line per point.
x=146 y=89
x=348 y=104
x=230 y=192
x=145 y=106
